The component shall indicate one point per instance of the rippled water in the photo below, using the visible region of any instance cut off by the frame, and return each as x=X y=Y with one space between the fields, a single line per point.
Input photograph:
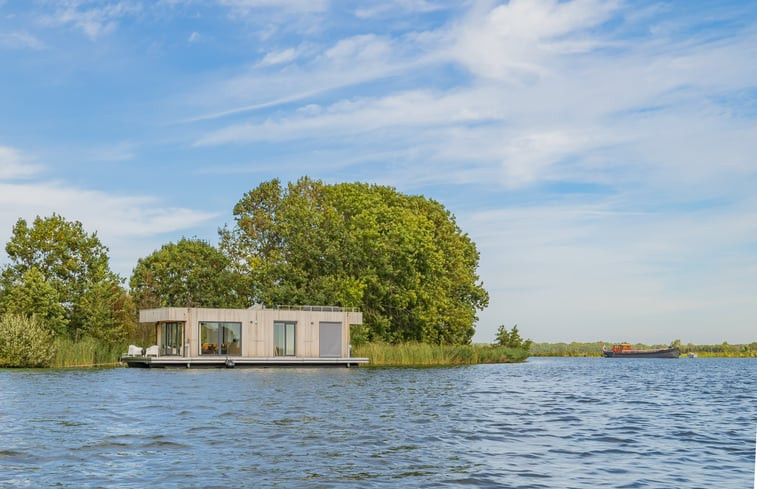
x=554 y=423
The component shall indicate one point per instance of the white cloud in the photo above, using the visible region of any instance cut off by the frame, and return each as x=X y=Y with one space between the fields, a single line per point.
x=576 y=118
x=194 y=37
x=116 y=218
x=359 y=49
x=345 y=63
x=304 y=6
x=13 y=165
x=94 y=22
x=279 y=57
x=511 y=41
x=20 y=40
x=387 y=8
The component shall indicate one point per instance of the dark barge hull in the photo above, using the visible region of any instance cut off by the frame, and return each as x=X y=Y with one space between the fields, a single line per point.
x=238 y=362
x=662 y=353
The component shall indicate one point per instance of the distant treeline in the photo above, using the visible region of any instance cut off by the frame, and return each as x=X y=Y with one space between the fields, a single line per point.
x=594 y=349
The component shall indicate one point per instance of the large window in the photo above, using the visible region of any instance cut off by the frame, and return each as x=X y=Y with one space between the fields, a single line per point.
x=283 y=338
x=217 y=338
x=171 y=338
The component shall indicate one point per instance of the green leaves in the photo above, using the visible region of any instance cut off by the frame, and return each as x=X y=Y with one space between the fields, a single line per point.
x=34 y=296
x=190 y=273
x=401 y=258
x=511 y=339
x=57 y=271
x=24 y=342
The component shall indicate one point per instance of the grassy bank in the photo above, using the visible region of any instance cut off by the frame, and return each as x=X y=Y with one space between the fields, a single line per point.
x=422 y=354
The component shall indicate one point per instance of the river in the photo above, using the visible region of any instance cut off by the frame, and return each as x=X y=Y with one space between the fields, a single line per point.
x=546 y=423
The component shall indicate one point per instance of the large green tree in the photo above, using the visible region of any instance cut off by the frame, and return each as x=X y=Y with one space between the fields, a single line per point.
x=59 y=272
x=190 y=273
x=34 y=296
x=402 y=259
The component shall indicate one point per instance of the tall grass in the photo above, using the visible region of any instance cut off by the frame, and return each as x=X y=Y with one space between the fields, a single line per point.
x=423 y=354
x=87 y=352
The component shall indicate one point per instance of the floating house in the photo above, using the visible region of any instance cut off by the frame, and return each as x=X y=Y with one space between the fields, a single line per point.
x=192 y=337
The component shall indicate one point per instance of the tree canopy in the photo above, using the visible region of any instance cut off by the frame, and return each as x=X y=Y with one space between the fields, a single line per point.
x=60 y=273
x=402 y=259
x=190 y=273
x=511 y=339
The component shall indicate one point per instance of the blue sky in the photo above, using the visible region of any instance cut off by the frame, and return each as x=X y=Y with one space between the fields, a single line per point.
x=600 y=154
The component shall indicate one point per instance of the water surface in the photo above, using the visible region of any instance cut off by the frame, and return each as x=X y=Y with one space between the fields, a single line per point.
x=547 y=423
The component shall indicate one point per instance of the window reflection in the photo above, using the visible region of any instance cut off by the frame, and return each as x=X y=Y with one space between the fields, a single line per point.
x=220 y=338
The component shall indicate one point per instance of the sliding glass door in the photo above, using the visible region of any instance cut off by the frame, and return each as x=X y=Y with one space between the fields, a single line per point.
x=283 y=338
x=171 y=338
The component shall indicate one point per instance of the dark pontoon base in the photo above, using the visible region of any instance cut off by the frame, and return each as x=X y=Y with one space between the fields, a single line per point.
x=239 y=362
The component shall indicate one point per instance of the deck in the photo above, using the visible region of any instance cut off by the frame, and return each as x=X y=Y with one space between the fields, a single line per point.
x=238 y=362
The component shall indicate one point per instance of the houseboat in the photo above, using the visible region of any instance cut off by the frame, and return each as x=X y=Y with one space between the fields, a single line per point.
x=255 y=337
x=625 y=350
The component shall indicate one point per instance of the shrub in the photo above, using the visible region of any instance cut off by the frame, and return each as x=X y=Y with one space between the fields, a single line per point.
x=24 y=342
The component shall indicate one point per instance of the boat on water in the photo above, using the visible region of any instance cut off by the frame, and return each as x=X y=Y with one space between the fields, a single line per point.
x=626 y=350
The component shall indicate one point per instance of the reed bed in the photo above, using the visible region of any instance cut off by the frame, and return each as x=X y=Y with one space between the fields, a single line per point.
x=424 y=354
x=86 y=352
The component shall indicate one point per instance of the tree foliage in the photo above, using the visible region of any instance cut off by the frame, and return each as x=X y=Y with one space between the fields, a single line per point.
x=402 y=259
x=34 y=296
x=512 y=338
x=60 y=273
x=190 y=273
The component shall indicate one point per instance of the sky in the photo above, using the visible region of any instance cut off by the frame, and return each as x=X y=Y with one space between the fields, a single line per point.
x=601 y=154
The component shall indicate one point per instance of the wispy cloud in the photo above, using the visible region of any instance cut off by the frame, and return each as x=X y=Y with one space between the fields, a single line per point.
x=510 y=42
x=566 y=119
x=115 y=217
x=345 y=63
x=384 y=8
x=247 y=6
x=20 y=40
x=93 y=18
x=279 y=57
x=13 y=165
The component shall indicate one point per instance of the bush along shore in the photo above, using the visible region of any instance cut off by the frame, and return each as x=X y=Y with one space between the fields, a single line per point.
x=413 y=354
x=26 y=342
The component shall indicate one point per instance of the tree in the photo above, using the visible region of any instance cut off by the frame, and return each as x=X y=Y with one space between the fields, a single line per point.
x=56 y=261
x=190 y=273
x=402 y=259
x=511 y=339
x=34 y=296
x=110 y=312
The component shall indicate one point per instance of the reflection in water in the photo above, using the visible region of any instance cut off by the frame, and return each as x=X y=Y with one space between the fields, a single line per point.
x=546 y=423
